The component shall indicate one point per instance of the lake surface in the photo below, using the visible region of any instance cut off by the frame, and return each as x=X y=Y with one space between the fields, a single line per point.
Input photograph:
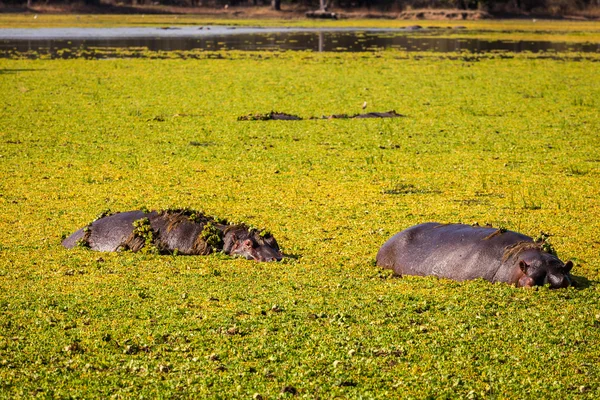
x=53 y=41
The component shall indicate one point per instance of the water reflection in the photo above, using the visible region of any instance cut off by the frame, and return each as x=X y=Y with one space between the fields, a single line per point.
x=332 y=41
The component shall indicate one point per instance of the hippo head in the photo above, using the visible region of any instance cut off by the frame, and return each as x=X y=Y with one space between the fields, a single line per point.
x=252 y=244
x=540 y=268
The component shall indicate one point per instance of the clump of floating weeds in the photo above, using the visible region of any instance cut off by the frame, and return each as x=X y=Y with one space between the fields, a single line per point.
x=222 y=221
x=195 y=216
x=544 y=240
x=273 y=115
x=104 y=213
x=84 y=242
x=142 y=229
x=212 y=235
x=406 y=188
x=263 y=233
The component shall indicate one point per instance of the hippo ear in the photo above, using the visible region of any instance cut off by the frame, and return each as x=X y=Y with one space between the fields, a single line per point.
x=523 y=265
x=568 y=266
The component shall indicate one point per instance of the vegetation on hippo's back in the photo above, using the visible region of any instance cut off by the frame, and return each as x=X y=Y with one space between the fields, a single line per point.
x=143 y=237
x=483 y=140
x=212 y=236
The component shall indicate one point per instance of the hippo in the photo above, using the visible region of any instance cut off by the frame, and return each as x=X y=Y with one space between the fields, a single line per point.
x=179 y=231
x=463 y=252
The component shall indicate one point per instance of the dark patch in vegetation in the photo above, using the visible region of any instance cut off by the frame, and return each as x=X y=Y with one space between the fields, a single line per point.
x=74 y=347
x=531 y=205
x=581 y=282
x=289 y=389
x=472 y=202
x=387 y=114
x=408 y=188
x=273 y=115
x=289 y=117
x=575 y=170
x=145 y=53
x=201 y=144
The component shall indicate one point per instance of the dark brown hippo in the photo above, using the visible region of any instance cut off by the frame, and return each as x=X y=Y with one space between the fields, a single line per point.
x=179 y=231
x=463 y=252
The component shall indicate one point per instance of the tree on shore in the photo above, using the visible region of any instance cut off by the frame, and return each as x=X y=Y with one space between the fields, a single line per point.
x=554 y=7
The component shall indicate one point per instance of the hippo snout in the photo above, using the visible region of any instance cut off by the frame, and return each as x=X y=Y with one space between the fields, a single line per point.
x=269 y=257
x=558 y=281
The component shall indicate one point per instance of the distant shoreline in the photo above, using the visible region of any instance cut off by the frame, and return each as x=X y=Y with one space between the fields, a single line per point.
x=290 y=12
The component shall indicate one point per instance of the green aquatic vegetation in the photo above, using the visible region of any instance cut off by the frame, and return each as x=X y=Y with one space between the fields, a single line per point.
x=183 y=213
x=261 y=232
x=142 y=237
x=77 y=137
x=104 y=213
x=212 y=235
x=544 y=241
x=84 y=242
x=265 y=233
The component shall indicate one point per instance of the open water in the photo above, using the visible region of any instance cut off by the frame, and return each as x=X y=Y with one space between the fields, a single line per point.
x=54 y=41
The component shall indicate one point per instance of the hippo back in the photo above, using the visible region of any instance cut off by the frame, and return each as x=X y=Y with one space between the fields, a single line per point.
x=105 y=234
x=176 y=231
x=454 y=251
x=181 y=231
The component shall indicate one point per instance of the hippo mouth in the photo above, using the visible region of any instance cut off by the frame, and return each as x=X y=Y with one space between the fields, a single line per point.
x=267 y=258
x=558 y=282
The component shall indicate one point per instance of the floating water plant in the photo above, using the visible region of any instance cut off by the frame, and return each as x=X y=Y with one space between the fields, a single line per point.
x=212 y=235
x=543 y=239
x=338 y=319
x=143 y=237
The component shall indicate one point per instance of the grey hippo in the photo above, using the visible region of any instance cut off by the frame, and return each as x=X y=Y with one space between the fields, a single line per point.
x=464 y=252
x=179 y=231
